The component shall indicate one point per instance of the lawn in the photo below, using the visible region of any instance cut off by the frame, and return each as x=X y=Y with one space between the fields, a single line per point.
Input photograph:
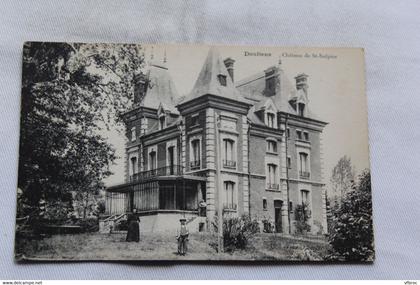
x=95 y=246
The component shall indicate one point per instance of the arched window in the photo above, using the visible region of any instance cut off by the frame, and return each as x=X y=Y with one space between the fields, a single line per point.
x=230 y=195
x=229 y=153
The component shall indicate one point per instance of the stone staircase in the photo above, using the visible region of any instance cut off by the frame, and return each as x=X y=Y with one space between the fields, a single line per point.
x=107 y=225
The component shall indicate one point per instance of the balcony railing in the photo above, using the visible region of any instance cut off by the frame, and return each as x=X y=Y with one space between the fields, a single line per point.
x=194 y=164
x=162 y=171
x=229 y=163
x=271 y=186
x=230 y=206
x=304 y=174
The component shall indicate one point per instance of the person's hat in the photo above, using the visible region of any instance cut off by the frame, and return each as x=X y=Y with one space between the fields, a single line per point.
x=182 y=219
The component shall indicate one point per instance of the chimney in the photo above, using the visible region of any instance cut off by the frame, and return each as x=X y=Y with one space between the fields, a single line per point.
x=271 y=80
x=140 y=86
x=302 y=82
x=229 y=66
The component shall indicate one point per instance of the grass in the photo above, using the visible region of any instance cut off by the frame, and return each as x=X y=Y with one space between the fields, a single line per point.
x=95 y=246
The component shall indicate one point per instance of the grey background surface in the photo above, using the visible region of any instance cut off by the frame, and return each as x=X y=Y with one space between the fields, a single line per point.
x=388 y=30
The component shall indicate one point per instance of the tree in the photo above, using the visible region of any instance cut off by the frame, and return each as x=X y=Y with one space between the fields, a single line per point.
x=342 y=178
x=352 y=231
x=70 y=94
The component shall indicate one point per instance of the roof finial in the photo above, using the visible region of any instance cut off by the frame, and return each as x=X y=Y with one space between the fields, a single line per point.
x=164 y=56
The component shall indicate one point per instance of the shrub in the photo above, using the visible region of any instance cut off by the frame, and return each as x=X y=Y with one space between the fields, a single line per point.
x=268 y=226
x=305 y=254
x=352 y=231
x=88 y=225
x=237 y=231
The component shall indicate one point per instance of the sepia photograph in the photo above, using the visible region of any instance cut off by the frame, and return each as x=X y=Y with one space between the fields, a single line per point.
x=134 y=152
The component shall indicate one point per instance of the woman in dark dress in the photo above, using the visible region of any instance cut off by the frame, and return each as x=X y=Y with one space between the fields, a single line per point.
x=133 y=232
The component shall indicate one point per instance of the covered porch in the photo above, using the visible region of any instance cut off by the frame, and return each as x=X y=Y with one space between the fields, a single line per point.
x=160 y=190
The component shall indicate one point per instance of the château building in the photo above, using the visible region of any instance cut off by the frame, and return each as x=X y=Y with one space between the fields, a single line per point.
x=248 y=147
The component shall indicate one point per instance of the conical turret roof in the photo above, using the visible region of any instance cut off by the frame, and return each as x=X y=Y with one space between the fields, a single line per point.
x=208 y=82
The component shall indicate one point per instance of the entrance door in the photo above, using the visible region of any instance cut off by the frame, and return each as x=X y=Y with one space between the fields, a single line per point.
x=277 y=215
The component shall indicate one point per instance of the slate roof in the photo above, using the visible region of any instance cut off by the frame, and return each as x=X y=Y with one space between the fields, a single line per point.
x=252 y=88
x=161 y=89
x=208 y=82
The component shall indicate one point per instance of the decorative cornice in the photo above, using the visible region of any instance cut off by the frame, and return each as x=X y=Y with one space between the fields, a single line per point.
x=212 y=101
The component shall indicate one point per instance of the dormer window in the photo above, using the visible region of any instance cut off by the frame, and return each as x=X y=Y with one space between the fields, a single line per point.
x=301 y=109
x=271 y=120
x=222 y=79
x=162 y=122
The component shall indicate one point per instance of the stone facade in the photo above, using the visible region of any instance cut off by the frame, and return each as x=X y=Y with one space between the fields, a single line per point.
x=251 y=147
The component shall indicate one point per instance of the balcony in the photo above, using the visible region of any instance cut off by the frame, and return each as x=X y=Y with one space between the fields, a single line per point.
x=230 y=207
x=162 y=171
x=195 y=164
x=274 y=187
x=304 y=174
x=229 y=163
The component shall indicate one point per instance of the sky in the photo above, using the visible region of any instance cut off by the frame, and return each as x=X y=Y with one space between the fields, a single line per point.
x=336 y=92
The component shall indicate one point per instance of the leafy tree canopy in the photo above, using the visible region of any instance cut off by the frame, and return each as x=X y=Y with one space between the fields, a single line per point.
x=342 y=177
x=352 y=231
x=70 y=94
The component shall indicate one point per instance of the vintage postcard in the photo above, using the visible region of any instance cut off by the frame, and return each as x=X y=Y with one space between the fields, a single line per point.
x=186 y=152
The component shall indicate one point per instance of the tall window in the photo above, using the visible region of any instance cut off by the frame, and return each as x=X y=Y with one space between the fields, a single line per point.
x=271 y=146
x=152 y=160
x=289 y=162
x=303 y=161
x=133 y=134
x=162 y=121
x=270 y=120
x=264 y=204
x=195 y=159
x=230 y=197
x=171 y=159
x=229 y=157
x=133 y=165
x=271 y=183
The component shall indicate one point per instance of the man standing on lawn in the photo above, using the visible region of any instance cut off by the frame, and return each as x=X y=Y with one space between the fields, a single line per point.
x=183 y=237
